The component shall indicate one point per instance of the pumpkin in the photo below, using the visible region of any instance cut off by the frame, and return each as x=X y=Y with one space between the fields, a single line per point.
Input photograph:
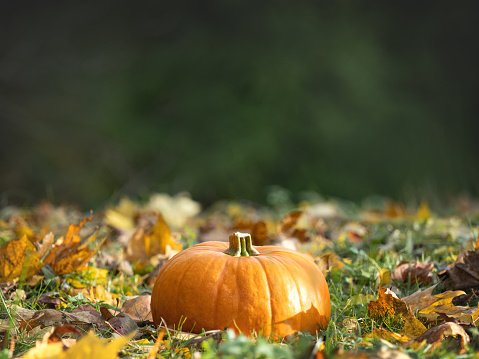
x=267 y=290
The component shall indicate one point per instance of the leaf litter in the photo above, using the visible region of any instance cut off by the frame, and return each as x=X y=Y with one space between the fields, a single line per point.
x=401 y=280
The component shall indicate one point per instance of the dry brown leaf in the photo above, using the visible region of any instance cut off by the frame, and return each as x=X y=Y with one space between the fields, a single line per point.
x=49 y=301
x=26 y=319
x=463 y=273
x=17 y=256
x=353 y=232
x=420 y=299
x=122 y=324
x=430 y=306
x=394 y=210
x=148 y=241
x=55 y=335
x=258 y=230
x=435 y=336
x=288 y=228
x=329 y=260
x=419 y=272
x=71 y=253
x=138 y=308
x=389 y=306
x=382 y=333
x=386 y=305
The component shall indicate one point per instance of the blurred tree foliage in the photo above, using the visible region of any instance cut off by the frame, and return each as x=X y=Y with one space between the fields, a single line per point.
x=224 y=98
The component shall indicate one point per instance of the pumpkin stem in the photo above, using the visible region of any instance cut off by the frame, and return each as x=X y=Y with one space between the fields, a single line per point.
x=241 y=245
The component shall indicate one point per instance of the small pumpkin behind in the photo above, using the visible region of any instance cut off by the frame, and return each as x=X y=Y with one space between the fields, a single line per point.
x=266 y=290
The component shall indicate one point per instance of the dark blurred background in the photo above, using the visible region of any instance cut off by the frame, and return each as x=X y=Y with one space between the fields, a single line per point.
x=226 y=98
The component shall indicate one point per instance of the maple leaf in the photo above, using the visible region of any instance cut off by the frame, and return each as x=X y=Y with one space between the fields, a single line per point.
x=71 y=253
x=431 y=306
x=148 y=241
x=390 y=306
x=17 y=256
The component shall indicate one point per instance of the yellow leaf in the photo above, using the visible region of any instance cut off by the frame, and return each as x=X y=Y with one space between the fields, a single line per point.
x=387 y=335
x=389 y=306
x=89 y=275
x=97 y=294
x=45 y=350
x=122 y=217
x=88 y=347
x=17 y=256
x=423 y=212
x=150 y=241
x=384 y=277
x=71 y=253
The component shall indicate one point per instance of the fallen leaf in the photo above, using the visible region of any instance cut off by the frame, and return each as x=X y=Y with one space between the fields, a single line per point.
x=258 y=230
x=387 y=335
x=288 y=228
x=423 y=212
x=389 y=306
x=384 y=277
x=148 y=241
x=395 y=210
x=88 y=347
x=352 y=232
x=329 y=260
x=430 y=306
x=71 y=253
x=464 y=272
x=122 y=324
x=26 y=319
x=419 y=272
x=158 y=344
x=91 y=275
x=435 y=335
x=55 y=335
x=48 y=300
x=96 y=294
x=176 y=210
x=138 y=308
x=420 y=299
x=122 y=216
x=19 y=256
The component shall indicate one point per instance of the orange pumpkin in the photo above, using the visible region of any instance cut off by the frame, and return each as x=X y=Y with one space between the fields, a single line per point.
x=268 y=290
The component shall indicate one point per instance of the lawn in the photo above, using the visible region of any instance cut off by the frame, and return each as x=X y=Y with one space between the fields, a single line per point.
x=402 y=279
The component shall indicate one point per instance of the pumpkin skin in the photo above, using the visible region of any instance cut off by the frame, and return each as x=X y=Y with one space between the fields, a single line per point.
x=277 y=292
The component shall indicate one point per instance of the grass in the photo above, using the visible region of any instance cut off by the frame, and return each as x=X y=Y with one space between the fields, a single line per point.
x=351 y=287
